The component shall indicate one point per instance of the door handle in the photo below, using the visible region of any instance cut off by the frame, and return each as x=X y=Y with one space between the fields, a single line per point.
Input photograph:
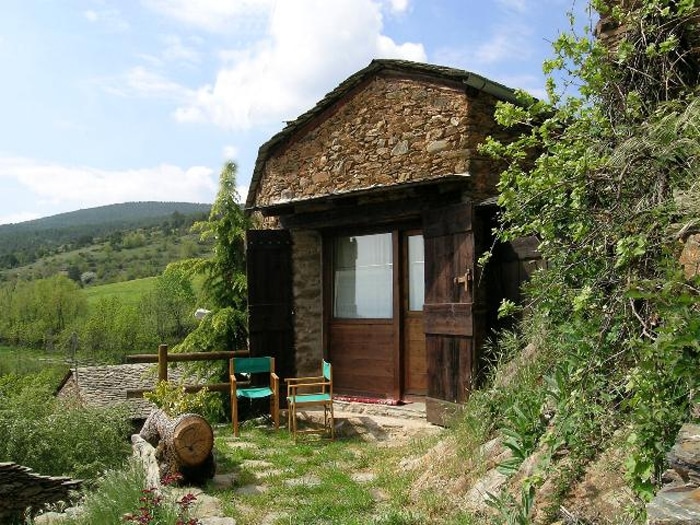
x=464 y=279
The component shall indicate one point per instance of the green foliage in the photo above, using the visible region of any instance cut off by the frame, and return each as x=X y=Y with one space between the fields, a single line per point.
x=174 y=401
x=36 y=312
x=224 y=289
x=595 y=177
x=114 y=329
x=509 y=510
x=128 y=292
x=522 y=428
x=122 y=497
x=55 y=438
x=22 y=361
x=24 y=243
x=169 y=306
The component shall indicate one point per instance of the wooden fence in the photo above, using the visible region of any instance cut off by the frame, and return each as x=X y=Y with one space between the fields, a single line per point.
x=164 y=357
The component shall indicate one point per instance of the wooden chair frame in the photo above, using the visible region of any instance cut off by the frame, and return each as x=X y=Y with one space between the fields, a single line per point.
x=304 y=392
x=254 y=365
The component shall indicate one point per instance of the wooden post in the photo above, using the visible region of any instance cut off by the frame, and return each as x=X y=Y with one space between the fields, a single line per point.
x=162 y=363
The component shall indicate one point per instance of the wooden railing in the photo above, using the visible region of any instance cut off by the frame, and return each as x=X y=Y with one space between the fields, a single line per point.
x=164 y=357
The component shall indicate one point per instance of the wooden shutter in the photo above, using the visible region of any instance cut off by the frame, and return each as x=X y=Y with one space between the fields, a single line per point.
x=270 y=302
x=449 y=308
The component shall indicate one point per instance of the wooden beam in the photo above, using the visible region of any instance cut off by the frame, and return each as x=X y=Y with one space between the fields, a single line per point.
x=370 y=211
x=398 y=312
x=194 y=356
x=214 y=387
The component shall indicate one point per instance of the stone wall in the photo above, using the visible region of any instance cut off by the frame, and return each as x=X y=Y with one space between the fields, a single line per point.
x=21 y=488
x=391 y=131
x=308 y=301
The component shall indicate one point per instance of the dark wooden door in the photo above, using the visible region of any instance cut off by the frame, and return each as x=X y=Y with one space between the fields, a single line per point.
x=270 y=302
x=449 y=308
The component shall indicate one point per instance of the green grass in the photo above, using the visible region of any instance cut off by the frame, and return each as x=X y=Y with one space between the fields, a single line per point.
x=312 y=481
x=315 y=481
x=128 y=292
x=24 y=361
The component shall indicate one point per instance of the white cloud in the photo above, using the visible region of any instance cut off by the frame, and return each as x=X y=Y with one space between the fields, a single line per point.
x=242 y=192
x=219 y=16
x=506 y=42
x=178 y=51
x=143 y=82
x=75 y=187
x=398 y=6
x=514 y=5
x=310 y=47
x=230 y=152
x=14 y=218
x=111 y=19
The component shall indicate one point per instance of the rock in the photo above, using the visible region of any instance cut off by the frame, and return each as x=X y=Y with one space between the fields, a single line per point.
x=678 y=502
x=249 y=490
x=690 y=256
x=675 y=507
x=684 y=456
x=489 y=483
x=217 y=521
x=437 y=146
x=401 y=148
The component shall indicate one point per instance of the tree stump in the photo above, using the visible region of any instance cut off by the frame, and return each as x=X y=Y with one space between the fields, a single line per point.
x=183 y=445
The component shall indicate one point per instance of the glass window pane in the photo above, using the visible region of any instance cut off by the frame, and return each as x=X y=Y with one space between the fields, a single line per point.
x=416 y=273
x=363 y=277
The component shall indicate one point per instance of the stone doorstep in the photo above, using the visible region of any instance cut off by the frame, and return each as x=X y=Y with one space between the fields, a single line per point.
x=414 y=411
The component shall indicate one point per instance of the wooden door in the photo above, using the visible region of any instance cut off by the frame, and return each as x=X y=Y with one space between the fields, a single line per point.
x=270 y=301
x=449 y=308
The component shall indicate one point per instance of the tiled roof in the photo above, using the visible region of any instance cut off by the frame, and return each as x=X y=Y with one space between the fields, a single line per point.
x=106 y=386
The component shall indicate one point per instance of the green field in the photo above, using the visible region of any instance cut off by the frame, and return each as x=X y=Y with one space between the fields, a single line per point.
x=128 y=292
x=24 y=361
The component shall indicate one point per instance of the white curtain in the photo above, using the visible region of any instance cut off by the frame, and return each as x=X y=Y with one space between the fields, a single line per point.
x=363 y=277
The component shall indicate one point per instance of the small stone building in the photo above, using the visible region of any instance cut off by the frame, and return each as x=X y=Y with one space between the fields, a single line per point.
x=374 y=207
x=106 y=386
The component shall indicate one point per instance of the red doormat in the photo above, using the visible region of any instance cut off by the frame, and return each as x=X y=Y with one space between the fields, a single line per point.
x=371 y=400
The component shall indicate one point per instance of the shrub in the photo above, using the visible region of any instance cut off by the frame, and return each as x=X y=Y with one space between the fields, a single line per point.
x=122 y=497
x=174 y=400
x=54 y=438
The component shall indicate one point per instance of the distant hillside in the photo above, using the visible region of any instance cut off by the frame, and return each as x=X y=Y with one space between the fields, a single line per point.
x=23 y=243
x=126 y=213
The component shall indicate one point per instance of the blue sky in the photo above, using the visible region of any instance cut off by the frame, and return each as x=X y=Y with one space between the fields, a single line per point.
x=107 y=101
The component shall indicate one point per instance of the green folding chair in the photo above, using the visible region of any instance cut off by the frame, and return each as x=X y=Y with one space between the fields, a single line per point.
x=313 y=391
x=254 y=366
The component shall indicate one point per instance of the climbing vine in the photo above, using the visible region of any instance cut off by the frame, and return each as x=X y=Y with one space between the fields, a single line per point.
x=597 y=175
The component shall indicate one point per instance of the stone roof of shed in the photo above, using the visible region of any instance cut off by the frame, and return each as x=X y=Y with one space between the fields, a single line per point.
x=21 y=487
x=375 y=67
x=105 y=386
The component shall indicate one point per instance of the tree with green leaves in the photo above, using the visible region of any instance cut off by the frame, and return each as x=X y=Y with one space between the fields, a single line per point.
x=224 y=283
x=600 y=177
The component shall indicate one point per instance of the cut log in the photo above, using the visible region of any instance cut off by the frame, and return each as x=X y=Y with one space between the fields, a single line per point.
x=183 y=445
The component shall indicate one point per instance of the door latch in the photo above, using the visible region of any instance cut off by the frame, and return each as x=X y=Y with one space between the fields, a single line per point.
x=464 y=279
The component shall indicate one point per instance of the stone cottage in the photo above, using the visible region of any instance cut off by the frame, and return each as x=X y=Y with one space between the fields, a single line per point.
x=105 y=386
x=374 y=207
